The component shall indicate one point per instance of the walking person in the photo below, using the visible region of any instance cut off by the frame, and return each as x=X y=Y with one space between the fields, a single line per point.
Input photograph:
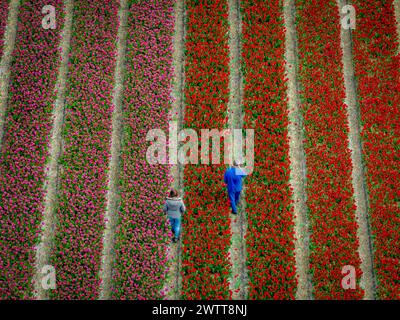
x=174 y=207
x=233 y=179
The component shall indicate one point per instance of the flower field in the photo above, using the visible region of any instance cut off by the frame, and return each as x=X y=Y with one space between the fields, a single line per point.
x=206 y=233
x=142 y=232
x=24 y=149
x=377 y=70
x=86 y=147
x=270 y=232
x=3 y=22
x=331 y=205
x=140 y=242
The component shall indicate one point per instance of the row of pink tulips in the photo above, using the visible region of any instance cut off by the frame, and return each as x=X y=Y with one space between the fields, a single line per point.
x=86 y=150
x=3 y=22
x=24 y=147
x=143 y=231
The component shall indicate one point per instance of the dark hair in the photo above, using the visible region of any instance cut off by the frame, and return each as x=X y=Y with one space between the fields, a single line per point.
x=173 y=193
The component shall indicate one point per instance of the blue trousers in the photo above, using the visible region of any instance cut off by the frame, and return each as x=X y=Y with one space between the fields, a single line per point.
x=234 y=197
x=176 y=226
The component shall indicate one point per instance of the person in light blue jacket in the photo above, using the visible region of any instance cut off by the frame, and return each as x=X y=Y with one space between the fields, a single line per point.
x=174 y=207
x=233 y=179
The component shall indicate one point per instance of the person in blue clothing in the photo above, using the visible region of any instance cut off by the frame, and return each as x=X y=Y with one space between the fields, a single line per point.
x=233 y=179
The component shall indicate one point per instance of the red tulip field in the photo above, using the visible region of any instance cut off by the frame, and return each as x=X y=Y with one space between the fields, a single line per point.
x=108 y=105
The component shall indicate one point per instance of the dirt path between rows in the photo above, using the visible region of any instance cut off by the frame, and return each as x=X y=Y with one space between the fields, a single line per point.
x=52 y=170
x=238 y=281
x=5 y=63
x=297 y=158
x=113 y=197
x=173 y=281
x=368 y=279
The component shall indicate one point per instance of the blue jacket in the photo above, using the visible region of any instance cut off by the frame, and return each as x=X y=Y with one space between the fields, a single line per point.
x=233 y=178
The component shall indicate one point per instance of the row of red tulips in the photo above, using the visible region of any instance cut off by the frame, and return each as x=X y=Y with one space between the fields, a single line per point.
x=377 y=67
x=143 y=230
x=206 y=233
x=24 y=147
x=334 y=241
x=270 y=235
x=86 y=150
